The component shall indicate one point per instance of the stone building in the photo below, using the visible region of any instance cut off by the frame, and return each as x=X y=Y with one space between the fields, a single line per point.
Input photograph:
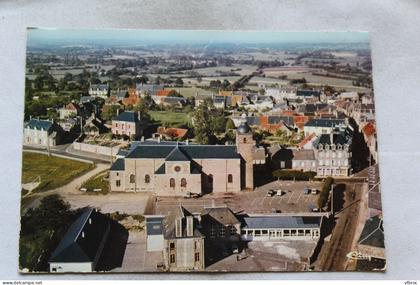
x=99 y=90
x=184 y=242
x=333 y=154
x=127 y=123
x=42 y=133
x=172 y=169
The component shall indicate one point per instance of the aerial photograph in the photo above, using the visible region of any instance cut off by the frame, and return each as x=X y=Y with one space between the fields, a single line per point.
x=199 y=151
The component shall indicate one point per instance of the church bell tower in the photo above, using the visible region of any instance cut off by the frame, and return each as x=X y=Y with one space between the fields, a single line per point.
x=246 y=148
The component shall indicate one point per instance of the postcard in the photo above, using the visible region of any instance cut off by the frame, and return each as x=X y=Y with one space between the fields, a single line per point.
x=199 y=151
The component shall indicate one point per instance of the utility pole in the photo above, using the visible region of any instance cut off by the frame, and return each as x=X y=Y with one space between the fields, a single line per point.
x=332 y=199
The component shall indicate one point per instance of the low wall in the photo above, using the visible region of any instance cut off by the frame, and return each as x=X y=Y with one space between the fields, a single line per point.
x=98 y=149
x=59 y=155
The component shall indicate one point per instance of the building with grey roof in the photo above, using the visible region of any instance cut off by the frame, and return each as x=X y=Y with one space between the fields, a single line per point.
x=82 y=245
x=277 y=227
x=45 y=133
x=99 y=90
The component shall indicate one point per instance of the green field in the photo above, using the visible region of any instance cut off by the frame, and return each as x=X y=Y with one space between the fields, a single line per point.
x=97 y=182
x=53 y=171
x=170 y=118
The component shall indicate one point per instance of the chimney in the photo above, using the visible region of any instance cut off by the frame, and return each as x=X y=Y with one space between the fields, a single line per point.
x=190 y=226
x=332 y=137
x=90 y=221
x=158 y=139
x=138 y=115
x=187 y=142
x=83 y=234
x=178 y=227
x=142 y=139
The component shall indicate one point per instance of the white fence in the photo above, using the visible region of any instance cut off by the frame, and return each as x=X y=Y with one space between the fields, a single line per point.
x=98 y=149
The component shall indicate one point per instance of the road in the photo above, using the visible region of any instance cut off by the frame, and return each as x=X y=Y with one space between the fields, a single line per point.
x=346 y=231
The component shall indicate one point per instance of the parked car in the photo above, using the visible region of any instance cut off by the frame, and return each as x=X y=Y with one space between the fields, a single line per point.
x=280 y=192
x=306 y=191
x=271 y=193
x=314 y=191
x=316 y=210
x=188 y=195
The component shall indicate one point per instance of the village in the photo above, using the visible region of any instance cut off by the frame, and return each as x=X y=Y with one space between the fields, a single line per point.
x=175 y=160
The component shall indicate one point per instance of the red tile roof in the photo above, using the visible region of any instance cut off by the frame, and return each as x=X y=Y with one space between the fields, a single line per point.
x=172 y=132
x=164 y=92
x=369 y=129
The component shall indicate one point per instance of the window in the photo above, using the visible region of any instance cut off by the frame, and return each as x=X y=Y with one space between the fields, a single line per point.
x=222 y=231
x=172 y=258
x=177 y=168
x=132 y=178
x=197 y=257
x=196 y=245
x=172 y=182
x=118 y=183
x=183 y=182
x=244 y=140
x=147 y=178
x=230 y=178
x=172 y=245
x=232 y=230
x=210 y=180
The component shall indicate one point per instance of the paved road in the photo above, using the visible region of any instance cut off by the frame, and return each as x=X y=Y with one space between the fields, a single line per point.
x=346 y=231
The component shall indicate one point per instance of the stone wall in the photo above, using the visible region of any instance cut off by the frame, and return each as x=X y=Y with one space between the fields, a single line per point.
x=94 y=148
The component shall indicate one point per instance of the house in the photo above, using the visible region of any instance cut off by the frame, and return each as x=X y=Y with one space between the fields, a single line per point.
x=155 y=231
x=371 y=243
x=220 y=224
x=99 y=90
x=199 y=98
x=184 y=242
x=127 y=123
x=349 y=96
x=82 y=245
x=172 y=169
x=94 y=126
x=333 y=153
x=280 y=94
x=70 y=110
x=43 y=133
x=323 y=126
x=132 y=99
x=171 y=133
x=369 y=134
x=170 y=101
x=89 y=105
x=278 y=227
x=304 y=160
x=148 y=89
x=69 y=124
x=164 y=92
x=308 y=93
x=219 y=102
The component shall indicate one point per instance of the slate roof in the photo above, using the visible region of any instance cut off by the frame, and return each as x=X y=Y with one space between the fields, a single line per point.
x=37 y=124
x=118 y=165
x=155 y=225
x=193 y=151
x=303 y=154
x=330 y=123
x=282 y=222
x=102 y=87
x=76 y=248
x=277 y=119
x=180 y=213
x=87 y=99
x=222 y=215
x=373 y=233
x=127 y=116
x=153 y=88
x=340 y=138
x=177 y=155
x=308 y=93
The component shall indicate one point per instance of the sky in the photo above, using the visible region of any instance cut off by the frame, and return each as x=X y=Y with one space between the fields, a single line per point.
x=38 y=36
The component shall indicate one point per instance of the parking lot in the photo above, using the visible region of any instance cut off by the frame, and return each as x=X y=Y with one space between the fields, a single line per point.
x=258 y=201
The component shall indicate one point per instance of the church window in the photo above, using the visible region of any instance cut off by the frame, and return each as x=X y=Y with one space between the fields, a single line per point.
x=230 y=178
x=172 y=182
x=183 y=182
x=147 y=178
x=132 y=178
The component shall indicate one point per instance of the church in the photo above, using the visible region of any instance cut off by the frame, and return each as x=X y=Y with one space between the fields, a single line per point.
x=173 y=169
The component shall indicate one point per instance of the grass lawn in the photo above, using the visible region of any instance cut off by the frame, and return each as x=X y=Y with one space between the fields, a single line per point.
x=54 y=171
x=171 y=118
x=97 y=182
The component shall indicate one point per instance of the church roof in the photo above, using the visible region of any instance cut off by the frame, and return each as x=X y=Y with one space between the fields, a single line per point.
x=177 y=155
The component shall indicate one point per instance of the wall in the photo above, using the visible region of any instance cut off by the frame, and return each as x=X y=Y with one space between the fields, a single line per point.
x=72 y=267
x=104 y=150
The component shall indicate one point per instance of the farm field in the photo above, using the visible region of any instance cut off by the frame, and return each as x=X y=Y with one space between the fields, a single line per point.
x=170 y=118
x=53 y=171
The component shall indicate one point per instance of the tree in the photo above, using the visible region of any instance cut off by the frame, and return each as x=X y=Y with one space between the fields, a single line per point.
x=202 y=128
x=325 y=192
x=179 y=82
x=230 y=125
x=109 y=112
